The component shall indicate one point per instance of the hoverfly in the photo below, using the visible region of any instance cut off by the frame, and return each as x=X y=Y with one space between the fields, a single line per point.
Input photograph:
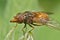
x=33 y=19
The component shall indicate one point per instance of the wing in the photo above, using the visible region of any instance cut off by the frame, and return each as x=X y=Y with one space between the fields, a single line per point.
x=53 y=24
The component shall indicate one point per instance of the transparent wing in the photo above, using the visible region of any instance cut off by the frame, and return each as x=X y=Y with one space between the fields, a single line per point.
x=53 y=24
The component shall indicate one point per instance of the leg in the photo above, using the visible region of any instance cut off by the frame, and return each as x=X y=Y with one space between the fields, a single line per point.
x=31 y=26
x=10 y=32
x=36 y=24
x=23 y=29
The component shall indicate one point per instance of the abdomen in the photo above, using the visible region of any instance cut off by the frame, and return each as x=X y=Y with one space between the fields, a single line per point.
x=41 y=18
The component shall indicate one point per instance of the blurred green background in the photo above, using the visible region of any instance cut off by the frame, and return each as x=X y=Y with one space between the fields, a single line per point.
x=9 y=8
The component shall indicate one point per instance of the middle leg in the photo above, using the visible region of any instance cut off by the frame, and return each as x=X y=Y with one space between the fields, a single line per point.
x=31 y=26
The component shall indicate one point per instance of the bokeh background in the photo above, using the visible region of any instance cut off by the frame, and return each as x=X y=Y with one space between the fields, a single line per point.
x=9 y=8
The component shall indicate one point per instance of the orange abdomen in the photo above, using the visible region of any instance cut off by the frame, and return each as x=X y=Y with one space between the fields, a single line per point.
x=40 y=17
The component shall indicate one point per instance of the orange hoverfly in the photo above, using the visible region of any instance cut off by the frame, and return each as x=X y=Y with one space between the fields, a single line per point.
x=34 y=18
